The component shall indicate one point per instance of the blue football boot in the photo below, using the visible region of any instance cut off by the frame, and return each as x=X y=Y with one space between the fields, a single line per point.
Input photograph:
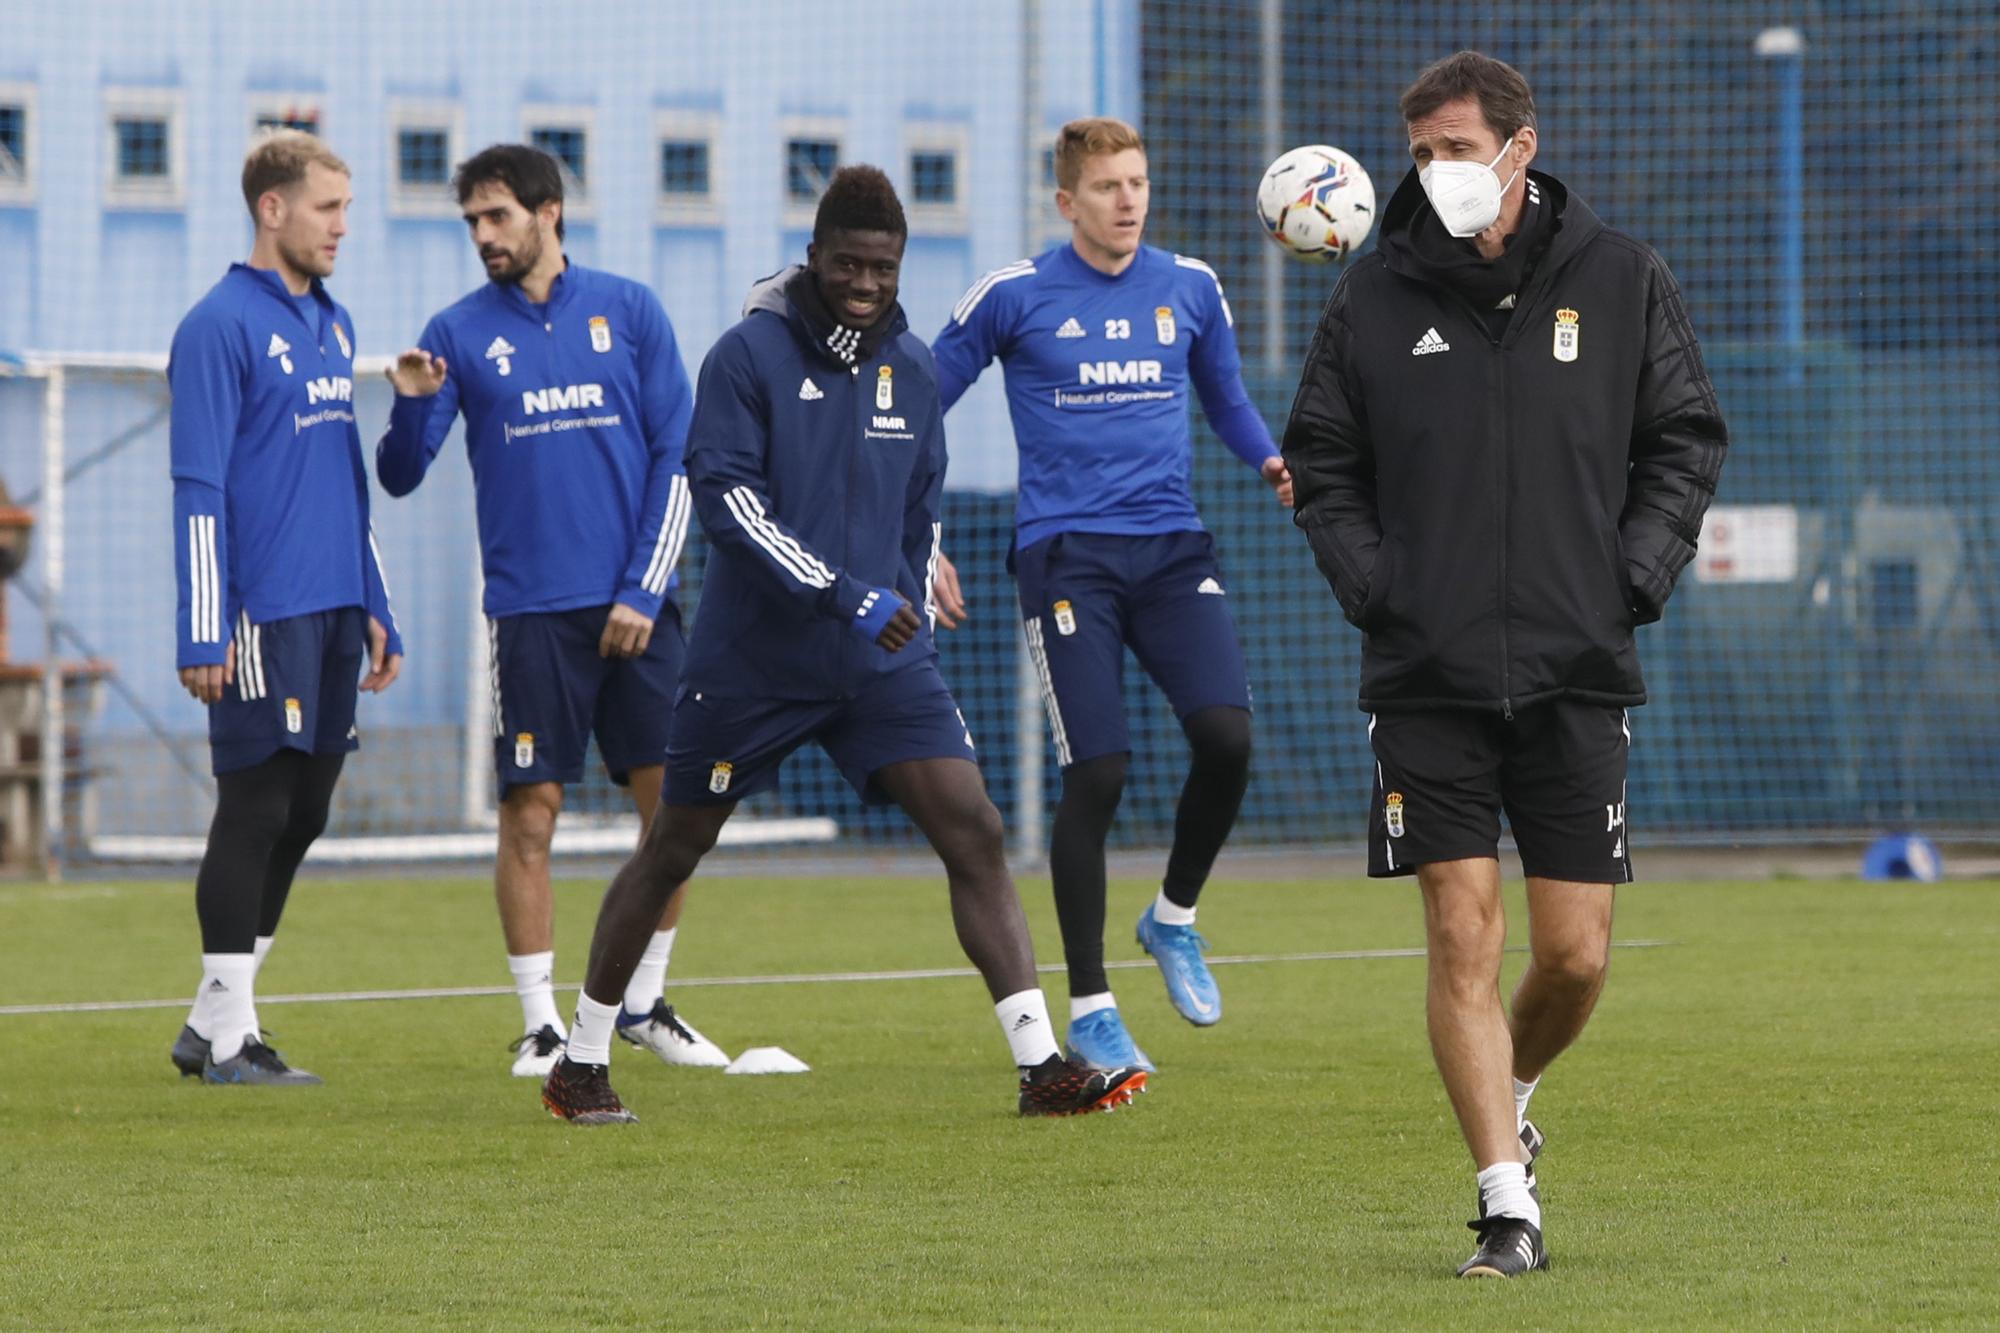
x=1099 y=1039
x=1178 y=950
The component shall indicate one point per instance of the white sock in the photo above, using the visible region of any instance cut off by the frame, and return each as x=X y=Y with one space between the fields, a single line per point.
x=1079 y=1005
x=590 y=1038
x=260 y=949
x=649 y=979
x=228 y=994
x=1523 y=1091
x=1024 y=1017
x=1503 y=1189
x=1169 y=913
x=534 y=983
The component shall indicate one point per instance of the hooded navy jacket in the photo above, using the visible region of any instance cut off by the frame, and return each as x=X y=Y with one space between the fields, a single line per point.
x=818 y=485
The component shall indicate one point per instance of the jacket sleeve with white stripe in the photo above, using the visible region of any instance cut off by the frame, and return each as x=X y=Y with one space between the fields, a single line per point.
x=205 y=373
x=666 y=404
x=728 y=442
x=923 y=520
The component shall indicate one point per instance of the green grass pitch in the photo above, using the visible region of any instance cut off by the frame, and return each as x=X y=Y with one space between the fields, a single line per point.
x=1783 y=1115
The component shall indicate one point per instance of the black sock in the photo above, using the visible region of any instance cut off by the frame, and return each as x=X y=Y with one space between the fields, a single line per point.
x=1220 y=738
x=1076 y=863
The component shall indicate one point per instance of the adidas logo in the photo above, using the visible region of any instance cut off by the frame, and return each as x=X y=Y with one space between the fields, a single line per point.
x=1212 y=588
x=216 y=985
x=809 y=392
x=1025 y=1020
x=1429 y=343
x=1070 y=329
x=278 y=347
x=500 y=347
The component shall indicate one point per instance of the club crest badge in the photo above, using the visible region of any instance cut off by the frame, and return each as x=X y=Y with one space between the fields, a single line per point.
x=600 y=333
x=295 y=718
x=340 y=336
x=1392 y=813
x=1163 y=323
x=524 y=749
x=885 y=389
x=1065 y=617
x=282 y=350
x=719 y=776
x=1566 y=334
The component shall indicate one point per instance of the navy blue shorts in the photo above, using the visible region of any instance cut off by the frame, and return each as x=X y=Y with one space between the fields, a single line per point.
x=1085 y=596
x=296 y=683
x=551 y=691
x=726 y=749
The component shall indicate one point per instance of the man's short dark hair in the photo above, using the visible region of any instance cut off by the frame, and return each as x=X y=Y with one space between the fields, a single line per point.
x=859 y=198
x=533 y=176
x=1504 y=98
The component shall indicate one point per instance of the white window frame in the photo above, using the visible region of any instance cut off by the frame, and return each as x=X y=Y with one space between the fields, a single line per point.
x=578 y=195
x=935 y=219
x=261 y=104
x=423 y=201
x=686 y=210
x=165 y=104
x=21 y=189
x=799 y=213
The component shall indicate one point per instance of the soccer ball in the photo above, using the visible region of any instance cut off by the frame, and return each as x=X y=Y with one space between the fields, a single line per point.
x=1317 y=203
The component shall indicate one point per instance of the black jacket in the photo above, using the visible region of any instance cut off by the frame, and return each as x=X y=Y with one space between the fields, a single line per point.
x=1496 y=516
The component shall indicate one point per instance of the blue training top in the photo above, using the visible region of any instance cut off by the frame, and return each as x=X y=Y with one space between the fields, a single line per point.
x=1097 y=372
x=576 y=416
x=270 y=494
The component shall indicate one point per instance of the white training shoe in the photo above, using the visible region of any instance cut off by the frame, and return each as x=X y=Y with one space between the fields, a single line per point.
x=536 y=1053
x=668 y=1037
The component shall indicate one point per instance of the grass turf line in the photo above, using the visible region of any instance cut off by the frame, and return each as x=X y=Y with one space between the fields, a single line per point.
x=1785 y=1119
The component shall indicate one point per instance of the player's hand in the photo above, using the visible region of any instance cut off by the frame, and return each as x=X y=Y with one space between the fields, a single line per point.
x=205 y=683
x=417 y=374
x=946 y=599
x=1279 y=478
x=902 y=628
x=383 y=665
x=626 y=632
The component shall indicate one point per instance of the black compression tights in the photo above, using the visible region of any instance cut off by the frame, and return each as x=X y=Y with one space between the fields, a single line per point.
x=265 y=818
x=1220 y=741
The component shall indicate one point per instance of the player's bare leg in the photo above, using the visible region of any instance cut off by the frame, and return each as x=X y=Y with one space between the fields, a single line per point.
x=527 y=919
x=947 y=800
x=646 y=1019
x=1569 y=934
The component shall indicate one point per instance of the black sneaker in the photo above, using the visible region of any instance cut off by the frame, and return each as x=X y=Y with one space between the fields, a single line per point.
x=582 y=1095
x=256 y=1063
x=1508 y=1247
x=190 y=1053
x=1060 y=1086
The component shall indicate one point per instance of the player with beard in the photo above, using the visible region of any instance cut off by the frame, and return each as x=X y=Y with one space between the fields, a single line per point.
x=576 y=410
x=282 y=604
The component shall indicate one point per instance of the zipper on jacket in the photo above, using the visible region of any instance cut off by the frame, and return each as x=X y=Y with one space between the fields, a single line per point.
x=1506 y=680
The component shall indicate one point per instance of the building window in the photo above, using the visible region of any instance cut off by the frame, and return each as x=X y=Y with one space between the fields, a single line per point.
x=684 y=167
x=144 y=158
x=688 y=185
x=567 y=144
x=143 y=144
x=936 y=184
x=423 y=157
x=934 y=177
x=424 y=142
x=809 y=165
x=13 y=142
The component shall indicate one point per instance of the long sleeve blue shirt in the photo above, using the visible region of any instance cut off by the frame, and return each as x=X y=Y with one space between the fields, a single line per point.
x=270 y=492
x=576 y=417
x=1098 y=370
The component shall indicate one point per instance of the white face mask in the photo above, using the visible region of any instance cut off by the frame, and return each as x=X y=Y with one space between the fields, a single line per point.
x=1466 y=195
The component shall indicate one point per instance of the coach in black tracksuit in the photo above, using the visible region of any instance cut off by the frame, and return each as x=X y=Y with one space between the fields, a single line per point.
x=1503 y=445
